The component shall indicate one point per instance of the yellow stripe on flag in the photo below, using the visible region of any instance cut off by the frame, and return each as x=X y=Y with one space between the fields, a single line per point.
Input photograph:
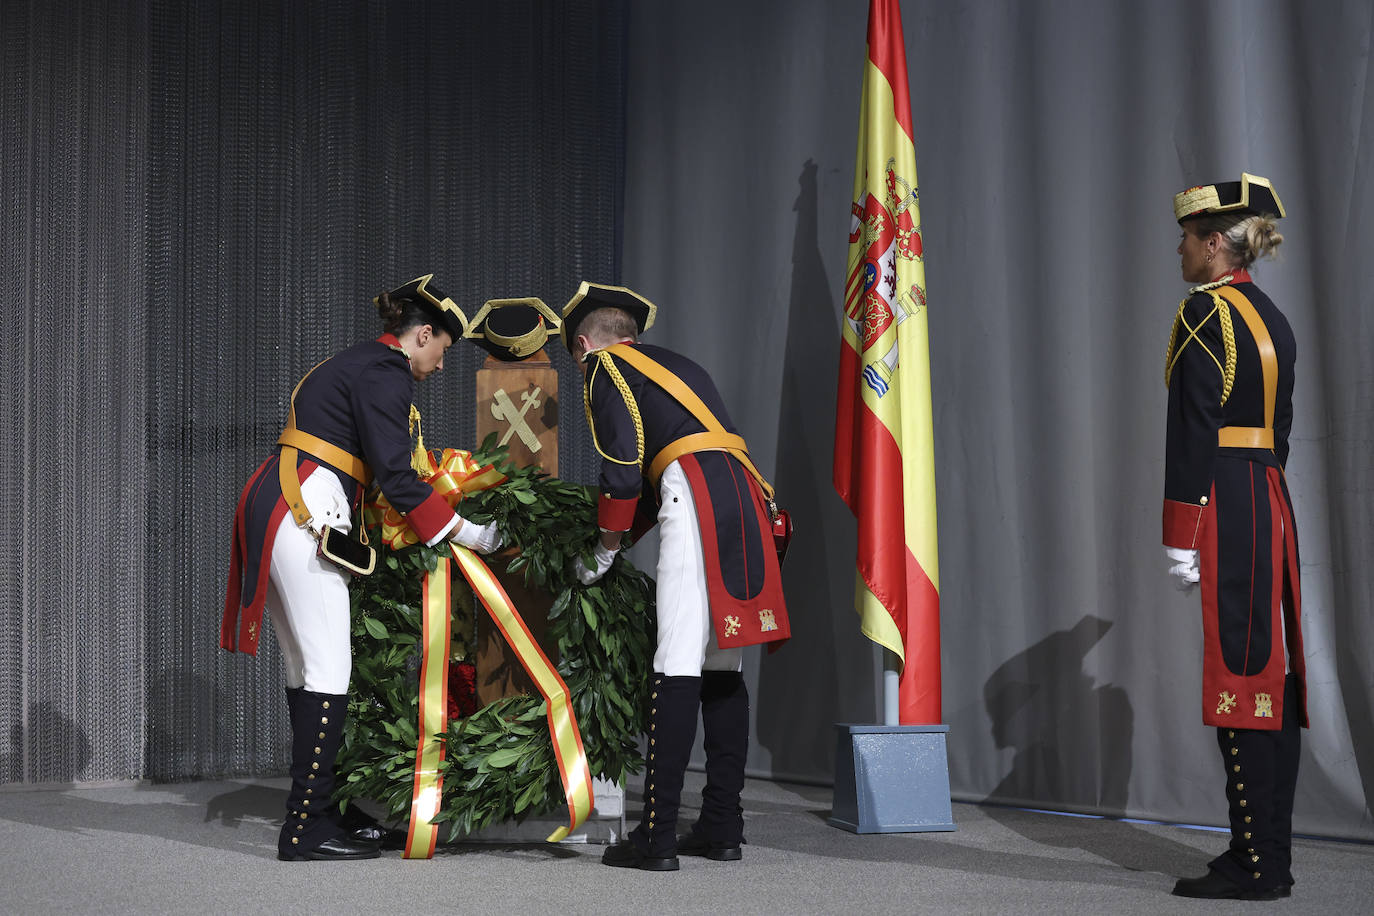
x=906 y=408
x=875 y=620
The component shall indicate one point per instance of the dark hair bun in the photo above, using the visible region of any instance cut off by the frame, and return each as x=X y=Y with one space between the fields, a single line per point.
x=390 y=312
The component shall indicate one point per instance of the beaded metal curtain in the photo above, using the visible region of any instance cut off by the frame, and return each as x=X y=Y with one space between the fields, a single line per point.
x=200 y=201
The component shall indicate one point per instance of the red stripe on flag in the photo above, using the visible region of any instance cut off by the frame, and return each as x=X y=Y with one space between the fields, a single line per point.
x=882 y=517
x=887 y=50
x=843 y=473
x=918 y=690
x=872 y=488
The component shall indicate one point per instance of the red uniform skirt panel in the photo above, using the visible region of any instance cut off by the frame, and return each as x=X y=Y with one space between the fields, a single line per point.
x=743 y=579
x=1251 y=598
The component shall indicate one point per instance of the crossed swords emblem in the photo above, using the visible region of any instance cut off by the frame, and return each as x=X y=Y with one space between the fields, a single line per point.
x=503 y=408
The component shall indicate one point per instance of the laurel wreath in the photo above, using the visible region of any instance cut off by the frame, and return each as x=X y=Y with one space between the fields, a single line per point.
x=499 y=763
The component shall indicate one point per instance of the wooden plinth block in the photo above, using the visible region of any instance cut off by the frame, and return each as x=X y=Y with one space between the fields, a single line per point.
x=519 y=402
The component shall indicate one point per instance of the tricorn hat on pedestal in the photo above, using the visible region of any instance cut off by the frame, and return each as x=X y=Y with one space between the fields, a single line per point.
x=512 y=329
x=445 y=311
x=1251 y=195
x=593 y=296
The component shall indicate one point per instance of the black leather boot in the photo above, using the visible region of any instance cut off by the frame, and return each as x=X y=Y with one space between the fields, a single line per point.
x=310 y=831
x=652 y=846
x=1287 y=754
x=719 y=831
x=1255 y=866
x=363 y=827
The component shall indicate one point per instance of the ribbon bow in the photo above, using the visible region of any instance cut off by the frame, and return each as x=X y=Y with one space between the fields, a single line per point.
x=453 y=475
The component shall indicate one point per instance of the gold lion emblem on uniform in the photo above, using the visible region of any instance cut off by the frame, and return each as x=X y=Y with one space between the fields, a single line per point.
x=766 y=621
x=1264 y=706
x=1226 y=704
x=731 y=625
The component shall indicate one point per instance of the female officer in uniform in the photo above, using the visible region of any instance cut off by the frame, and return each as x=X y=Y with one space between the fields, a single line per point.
x=348 y=426
x=1228 y=523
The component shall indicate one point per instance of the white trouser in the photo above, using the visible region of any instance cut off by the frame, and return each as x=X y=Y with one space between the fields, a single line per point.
x=307 y=595
x=686 y=641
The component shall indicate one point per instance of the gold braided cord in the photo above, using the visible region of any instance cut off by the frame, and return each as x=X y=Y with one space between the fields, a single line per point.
x=1228 y=342
x=604 y=360
x=418 y=459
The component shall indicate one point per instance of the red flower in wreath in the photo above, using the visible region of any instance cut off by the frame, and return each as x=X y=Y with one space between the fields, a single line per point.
x=462 y=690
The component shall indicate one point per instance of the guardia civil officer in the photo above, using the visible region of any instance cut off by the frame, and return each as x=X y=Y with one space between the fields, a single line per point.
x=662 y=430
x=1228 y=523
x=349 y=426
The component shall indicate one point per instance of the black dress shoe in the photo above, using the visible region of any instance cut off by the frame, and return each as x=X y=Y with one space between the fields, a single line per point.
x=628 y=855
x=338 y=848
x=1216 y=886
x=372 y=833
x=695 y=845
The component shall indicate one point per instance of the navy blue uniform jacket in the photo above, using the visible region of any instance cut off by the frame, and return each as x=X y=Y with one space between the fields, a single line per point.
x=358 y=400
x=1232 y=506
x=743 y=578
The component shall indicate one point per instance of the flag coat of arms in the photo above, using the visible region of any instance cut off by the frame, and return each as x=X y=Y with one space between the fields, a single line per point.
x=884 y=465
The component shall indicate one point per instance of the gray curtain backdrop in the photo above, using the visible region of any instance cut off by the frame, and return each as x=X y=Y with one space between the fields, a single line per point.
x=199 y=199
x=199 y=202
x=1050 y=138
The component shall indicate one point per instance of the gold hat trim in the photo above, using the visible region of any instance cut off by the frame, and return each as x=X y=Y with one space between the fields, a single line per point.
x=1204 y=198
x=522 y=345
x=445 y=305
x=586 y=288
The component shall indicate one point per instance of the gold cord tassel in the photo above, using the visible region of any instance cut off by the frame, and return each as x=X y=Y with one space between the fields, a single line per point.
x=419 y=458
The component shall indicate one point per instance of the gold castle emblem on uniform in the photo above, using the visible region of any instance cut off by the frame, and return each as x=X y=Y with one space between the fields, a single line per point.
x=1264 y=706
x=1227 y=703
x=731 y=625
x=766 y=621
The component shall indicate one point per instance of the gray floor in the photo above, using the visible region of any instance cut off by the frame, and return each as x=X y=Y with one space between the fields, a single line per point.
x=210 y=848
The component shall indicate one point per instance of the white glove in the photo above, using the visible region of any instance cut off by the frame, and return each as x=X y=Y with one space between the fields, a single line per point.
x=603 y=556
x=481 y=538
x=1185 y=566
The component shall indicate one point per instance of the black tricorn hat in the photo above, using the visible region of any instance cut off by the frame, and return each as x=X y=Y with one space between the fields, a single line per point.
x=512 y=329
x=593 y=296
x=1252 y=194
x=444 y=310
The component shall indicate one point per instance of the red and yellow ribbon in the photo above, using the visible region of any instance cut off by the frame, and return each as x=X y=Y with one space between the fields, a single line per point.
x=427 y=792
x=453 y=475
x=567 y=740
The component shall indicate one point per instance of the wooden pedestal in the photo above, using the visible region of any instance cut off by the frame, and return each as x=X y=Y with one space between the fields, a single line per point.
x=519 y=402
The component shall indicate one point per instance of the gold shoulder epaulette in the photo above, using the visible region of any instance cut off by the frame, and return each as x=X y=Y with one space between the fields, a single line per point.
x=603 y=361
x=1226 y=365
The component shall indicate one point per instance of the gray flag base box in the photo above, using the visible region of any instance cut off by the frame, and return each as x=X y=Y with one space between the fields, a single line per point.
x=891 y=779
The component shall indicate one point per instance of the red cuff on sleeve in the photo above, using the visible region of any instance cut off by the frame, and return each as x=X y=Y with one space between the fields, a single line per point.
x=1182 y=522
x=616 y=514
x=430 y=517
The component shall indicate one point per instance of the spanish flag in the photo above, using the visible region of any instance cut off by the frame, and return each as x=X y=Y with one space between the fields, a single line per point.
x=884 y=448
